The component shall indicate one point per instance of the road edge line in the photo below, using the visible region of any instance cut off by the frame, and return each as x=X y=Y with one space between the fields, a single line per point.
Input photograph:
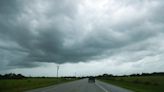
x=101 y=87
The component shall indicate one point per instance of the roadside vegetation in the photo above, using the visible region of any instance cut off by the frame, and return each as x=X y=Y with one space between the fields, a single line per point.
x=18 y=83
x=137 y=82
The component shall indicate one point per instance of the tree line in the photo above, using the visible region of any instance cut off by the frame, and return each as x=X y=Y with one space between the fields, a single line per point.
x=133 y=75
x=12 y=76
x=20 y=76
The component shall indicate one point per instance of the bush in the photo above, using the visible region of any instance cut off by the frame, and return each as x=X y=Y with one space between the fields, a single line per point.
x=147 y=83
x=136 y=81
x=155 y=84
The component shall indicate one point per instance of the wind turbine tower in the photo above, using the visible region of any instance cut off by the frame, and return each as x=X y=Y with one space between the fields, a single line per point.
x=57 y=70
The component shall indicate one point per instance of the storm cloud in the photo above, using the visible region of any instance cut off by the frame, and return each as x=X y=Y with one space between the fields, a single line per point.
x=72 y=31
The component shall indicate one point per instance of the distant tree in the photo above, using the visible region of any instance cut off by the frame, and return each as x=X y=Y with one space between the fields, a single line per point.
x=135 y=75
x=12 y=76
x=158 y=73
x=1 y=76
x=107 y=75
x=20 y=76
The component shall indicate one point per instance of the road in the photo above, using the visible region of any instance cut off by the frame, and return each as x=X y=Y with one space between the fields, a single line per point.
x=82 y=86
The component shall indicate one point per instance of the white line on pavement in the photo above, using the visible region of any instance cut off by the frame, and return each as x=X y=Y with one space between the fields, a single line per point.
x=101 y=87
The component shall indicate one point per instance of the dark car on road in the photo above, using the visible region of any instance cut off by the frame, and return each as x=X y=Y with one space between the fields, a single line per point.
x=91 y=80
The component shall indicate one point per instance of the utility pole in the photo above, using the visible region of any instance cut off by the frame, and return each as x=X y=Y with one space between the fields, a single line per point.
x=57 y=70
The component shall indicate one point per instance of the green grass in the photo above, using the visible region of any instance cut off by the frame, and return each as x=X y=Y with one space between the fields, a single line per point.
x=139 y=84
x=19 y=85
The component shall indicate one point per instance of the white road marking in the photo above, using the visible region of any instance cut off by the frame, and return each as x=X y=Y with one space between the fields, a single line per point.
x=101 y=87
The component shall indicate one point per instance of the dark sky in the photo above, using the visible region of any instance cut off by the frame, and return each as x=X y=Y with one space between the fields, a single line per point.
x=125 y=35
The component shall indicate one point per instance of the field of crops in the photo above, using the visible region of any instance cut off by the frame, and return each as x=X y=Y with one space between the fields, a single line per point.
x=19 y=85
x=139 y=84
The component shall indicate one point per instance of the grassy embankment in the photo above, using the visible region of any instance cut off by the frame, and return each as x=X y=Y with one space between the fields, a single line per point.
x=138 y=84
x=19 y=85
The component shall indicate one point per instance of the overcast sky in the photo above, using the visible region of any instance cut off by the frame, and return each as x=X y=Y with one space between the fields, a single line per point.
x=86 y=37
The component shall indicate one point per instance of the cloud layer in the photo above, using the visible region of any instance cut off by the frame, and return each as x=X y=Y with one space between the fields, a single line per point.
x=80 y=31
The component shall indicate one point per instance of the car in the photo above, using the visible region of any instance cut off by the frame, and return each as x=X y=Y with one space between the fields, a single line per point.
x=91 y=80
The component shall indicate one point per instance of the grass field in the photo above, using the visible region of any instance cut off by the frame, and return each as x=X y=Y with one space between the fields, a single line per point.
x=19 y=85
x=139 y=84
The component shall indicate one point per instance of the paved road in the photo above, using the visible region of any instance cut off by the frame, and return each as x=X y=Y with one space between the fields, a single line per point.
x=81 y=86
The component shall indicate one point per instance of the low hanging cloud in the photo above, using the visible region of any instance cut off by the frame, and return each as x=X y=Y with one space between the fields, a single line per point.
x=79 y=31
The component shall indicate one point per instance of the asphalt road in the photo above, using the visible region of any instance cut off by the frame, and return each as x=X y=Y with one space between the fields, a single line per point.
x=81 y=86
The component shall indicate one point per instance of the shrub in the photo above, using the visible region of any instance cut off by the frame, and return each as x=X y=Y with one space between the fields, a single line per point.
x=147 y=83
x=136 y=81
